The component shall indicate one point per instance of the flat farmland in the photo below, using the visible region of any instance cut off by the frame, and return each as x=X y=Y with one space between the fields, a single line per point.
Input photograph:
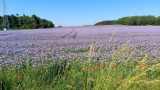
x=112 y=57
x=60 y=43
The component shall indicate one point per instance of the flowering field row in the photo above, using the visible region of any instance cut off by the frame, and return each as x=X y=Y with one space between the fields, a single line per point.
x=78 y=58
x=60 y=43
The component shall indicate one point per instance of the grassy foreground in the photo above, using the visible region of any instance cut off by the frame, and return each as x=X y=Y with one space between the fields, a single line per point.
x=132 y=73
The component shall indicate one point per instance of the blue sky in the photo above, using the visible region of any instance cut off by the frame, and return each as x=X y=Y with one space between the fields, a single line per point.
x=82 y=12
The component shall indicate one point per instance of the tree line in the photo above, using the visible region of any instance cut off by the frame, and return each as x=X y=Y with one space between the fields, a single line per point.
x=133 y=20
x=26 y=22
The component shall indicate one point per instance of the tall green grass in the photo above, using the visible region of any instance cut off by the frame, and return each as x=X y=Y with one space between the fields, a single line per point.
x=123 y=71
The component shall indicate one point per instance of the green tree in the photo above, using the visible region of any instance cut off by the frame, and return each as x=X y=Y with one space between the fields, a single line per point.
x=13 y=21
x=1 y=23
x=27 y=22
x=158 y=20
x=35 y=21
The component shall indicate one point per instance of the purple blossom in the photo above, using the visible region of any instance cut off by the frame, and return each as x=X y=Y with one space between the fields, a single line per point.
x=49 y=44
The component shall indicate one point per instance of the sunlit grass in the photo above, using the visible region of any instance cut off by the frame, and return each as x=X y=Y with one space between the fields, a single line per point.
x=123 y=71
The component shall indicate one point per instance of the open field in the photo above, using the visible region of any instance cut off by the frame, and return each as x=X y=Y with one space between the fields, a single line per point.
x=64 y=42
x=93 y=57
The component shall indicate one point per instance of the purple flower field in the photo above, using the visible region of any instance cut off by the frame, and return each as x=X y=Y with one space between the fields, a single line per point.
x=73 y=42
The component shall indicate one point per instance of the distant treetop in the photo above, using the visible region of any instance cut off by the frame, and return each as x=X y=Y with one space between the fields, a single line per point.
x=26 y=22
x=133 y=20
